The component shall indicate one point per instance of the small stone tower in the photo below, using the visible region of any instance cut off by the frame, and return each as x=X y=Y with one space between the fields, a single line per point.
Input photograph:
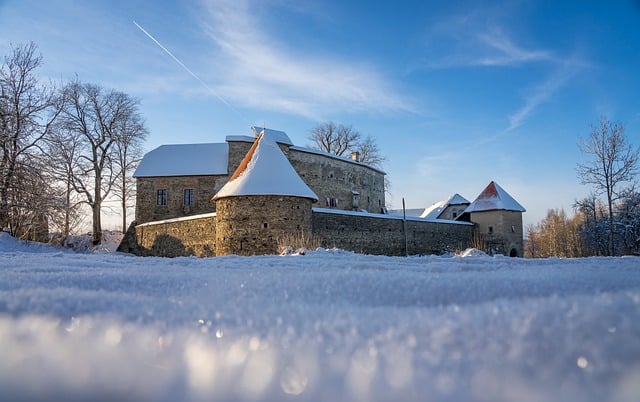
x=264 y=200
x=498 y=219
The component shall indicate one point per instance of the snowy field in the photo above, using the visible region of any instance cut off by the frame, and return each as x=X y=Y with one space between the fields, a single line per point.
x=325 y=326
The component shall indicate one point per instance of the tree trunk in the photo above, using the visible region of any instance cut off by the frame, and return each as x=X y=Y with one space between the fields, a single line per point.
x=611 y=245
x=124 y=202
x=97 y=225
x=4 y=200
x=95 y=209
x=124 y=215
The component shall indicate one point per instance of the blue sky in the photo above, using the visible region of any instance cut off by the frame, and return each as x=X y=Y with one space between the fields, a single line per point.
x=456 y=93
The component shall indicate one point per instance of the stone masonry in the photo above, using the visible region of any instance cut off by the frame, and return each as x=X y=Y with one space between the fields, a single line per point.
x=194 y=235
x=248 y=225
x=501 y=230
x=376 y=234
x=204 y=187
x=257 y=223
x=207 y=235
x=331 y=178
x=352 y=186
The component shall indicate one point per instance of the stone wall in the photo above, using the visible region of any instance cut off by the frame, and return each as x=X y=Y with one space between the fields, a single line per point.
x=177 y=237
x=338 y=179
x=254 y=225
x=383 y=234
x=502 y=231
x=204 y=187
x=329 y=177
x=237 y=151
x=451 y=212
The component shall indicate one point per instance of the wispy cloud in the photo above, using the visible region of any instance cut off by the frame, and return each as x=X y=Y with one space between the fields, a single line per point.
x=257 y=70
x=502 y=51
x=544 y=91
x=479 y=37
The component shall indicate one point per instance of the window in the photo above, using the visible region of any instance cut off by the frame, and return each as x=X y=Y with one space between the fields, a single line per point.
x=332 y=202
x=161 y=197
x=188 y=197
x=490 y=229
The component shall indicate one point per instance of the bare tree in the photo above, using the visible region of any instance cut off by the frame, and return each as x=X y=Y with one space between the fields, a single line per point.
x=593 y=228
x=628 y=221
x=555 y=236
x=613 y=162
x=98 y=116
x=335 y=139
x=128 y=153
x=63 y=150
x=368 y=152
x=340 y=140
x=27 y=113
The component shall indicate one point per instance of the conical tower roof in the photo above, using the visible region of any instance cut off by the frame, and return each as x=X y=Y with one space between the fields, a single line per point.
x=492 y=198
x=265 y=170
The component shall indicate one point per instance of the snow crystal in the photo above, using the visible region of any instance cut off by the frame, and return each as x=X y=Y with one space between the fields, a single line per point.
x=327 y=325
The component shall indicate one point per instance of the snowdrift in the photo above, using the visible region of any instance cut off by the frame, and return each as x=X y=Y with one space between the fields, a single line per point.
x=326 y=325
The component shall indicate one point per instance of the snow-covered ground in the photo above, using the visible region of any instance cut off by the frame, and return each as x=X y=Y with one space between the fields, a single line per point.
x=328 y=325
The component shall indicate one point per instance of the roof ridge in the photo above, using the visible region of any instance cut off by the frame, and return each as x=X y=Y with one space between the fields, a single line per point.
x=247 y=158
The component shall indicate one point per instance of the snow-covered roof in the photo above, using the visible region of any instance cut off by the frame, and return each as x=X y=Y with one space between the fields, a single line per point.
x=434 y=211
x=415 y=212
x=394 y=216
x=276 y=135
x=494 y=197
x=265 y=170
x=185 y=160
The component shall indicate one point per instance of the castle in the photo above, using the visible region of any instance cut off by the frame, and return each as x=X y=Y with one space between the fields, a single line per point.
x=252 y=194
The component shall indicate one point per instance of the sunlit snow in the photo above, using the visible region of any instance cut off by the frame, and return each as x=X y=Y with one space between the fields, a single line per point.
x=327 y=325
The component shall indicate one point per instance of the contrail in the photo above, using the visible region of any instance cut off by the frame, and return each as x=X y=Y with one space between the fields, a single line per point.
x=189 y=71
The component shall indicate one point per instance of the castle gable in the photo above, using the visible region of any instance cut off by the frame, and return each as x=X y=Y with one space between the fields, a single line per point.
x=436 y=210
x=184 y=160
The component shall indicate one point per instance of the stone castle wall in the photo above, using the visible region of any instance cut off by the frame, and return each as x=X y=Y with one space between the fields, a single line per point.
x=255 y=225
x=176 y=237
x=232 y=230
x=371 y=234
x=204 y=187
x=329 y=177
x=501 y=230
x=338 y=179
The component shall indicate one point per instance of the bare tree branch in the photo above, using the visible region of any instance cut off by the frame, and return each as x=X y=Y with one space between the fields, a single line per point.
x=28 y=111
x=341 y=140
x=103 y=120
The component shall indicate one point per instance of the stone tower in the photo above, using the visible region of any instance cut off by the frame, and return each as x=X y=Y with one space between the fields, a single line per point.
x=498 y=219
x=264 y=200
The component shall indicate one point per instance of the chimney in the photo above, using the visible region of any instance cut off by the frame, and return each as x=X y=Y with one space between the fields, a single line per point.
x=355 y=155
